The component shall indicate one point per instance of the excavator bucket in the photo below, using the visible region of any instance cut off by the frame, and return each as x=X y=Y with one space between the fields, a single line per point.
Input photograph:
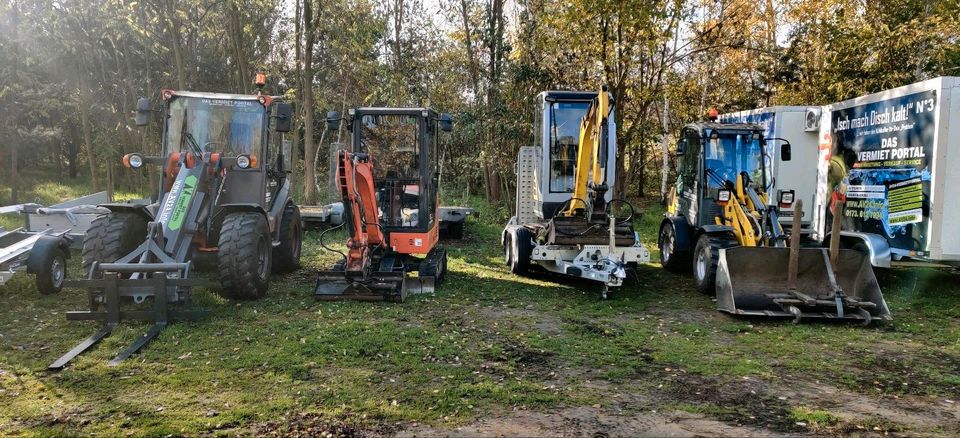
x=756 y=281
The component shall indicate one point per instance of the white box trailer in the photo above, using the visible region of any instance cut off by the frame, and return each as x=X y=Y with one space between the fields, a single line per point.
x=799 y=126
x=902 y=149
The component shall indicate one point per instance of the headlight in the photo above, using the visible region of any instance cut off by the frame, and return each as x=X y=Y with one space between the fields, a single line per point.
x=133 y=161
x=243 y=162
x=724 y=195
x=786 y=198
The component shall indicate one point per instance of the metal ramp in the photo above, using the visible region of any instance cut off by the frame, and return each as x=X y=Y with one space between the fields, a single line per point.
x=529 y=208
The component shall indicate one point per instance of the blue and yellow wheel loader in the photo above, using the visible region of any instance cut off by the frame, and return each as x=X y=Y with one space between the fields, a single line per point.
x=720 y=224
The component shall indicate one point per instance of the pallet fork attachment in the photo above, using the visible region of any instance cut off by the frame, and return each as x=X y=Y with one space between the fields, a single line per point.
x=158 y=269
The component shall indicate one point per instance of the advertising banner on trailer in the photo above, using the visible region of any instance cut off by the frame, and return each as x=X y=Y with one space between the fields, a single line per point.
x=886 y=148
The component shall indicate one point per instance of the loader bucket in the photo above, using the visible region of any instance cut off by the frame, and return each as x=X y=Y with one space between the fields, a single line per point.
x=754 y=281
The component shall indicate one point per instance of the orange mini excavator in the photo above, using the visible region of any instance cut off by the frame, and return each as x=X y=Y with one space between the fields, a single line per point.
x=389 y=184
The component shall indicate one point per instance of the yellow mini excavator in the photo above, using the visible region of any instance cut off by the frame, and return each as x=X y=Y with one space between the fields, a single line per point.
x=719 y=221
x=567 y=221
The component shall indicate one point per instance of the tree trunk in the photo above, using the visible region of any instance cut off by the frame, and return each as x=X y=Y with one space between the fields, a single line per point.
x=83 y=107
x=239 y=50
x=495 y=48
x=14 y=185
x=665 y=148
x=15 y=137
x=399 y=99
x=173 y=22
x=309 y=150
x=72 y=152
x=471 y=59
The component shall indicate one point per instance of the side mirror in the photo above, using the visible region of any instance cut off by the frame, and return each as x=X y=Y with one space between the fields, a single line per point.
x=681 y=147
x=283 y=116
x=333 y=121
x=446 y=122
x=144 y=108
x=785 y=151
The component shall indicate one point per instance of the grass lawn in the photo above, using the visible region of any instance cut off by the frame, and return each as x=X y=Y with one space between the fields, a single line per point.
x=489 y=353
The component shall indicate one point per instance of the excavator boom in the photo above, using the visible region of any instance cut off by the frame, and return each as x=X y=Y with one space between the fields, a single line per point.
x=588 y=174
x=355 y=182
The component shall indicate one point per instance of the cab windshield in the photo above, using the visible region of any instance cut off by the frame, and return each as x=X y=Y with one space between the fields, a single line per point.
x=391 y=140
x=564 y=140
x=729 y=155
x=233 y=127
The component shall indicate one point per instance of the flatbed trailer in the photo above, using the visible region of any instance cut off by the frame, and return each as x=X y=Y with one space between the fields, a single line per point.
x=452 y=219
x=42 y=246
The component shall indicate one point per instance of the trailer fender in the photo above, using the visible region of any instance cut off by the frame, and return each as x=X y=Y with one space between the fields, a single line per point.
x=681 y=231
x=41 y=250
x=877 y=247
x=141 y=210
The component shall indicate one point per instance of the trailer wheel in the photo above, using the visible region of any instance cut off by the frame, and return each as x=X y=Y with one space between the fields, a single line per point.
x=245 y=255
x=521 y=247
x=705 y=258
x=111 y=237
x=455 y=230
x=286 y=256
x=48 y=261
x=672 y=258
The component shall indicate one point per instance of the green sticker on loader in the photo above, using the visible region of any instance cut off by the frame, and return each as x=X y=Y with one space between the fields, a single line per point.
x=183 y=203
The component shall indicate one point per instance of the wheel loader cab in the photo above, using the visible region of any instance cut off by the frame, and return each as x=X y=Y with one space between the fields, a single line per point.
x=713 y=156
x=246 y=131
x=402 y=144
x=719 y=226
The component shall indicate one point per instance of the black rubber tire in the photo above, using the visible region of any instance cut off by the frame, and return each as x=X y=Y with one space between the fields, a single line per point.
x=455 y=230
x=286 y=256
x=50 y=278
x=672 y=258
x=244 y=259
x=521 y=248
x=111 y=237
x=708 y=247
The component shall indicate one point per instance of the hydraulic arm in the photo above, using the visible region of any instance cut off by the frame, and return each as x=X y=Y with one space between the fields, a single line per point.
x=589 y=186
x=355 y=181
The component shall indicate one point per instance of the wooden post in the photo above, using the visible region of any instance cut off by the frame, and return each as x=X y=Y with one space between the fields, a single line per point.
x=794 y=265
x=835 y=233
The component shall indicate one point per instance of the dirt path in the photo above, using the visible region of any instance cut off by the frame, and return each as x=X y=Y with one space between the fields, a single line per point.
x=592 y=421
x=855 y=414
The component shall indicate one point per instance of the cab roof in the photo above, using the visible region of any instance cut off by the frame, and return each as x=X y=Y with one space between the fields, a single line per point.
x=221 y=96
x=703 y=126
x=382 y=111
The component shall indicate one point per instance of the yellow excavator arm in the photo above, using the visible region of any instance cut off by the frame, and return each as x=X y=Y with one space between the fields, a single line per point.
x=588 y=171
